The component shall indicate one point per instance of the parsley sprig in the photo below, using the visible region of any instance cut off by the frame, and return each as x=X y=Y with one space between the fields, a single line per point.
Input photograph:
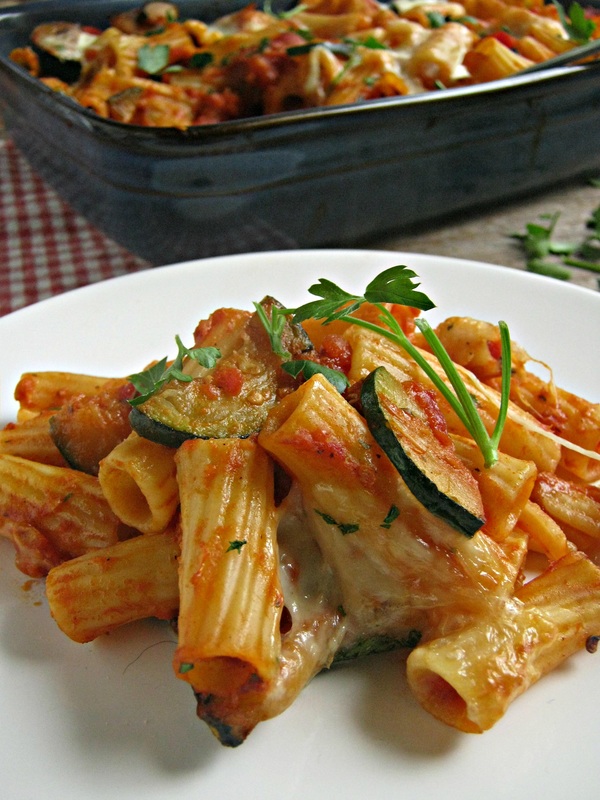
x=396 y=285
x=148 y=382
x=577 y=25
x=274 y=326
x=541 y=246
x=539 y=243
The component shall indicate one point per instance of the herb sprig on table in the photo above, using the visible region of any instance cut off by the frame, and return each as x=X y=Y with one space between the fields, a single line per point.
x=396 y=285
x=547 y=255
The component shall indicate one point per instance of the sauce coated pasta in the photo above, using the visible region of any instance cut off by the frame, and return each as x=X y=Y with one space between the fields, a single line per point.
x=292 y=493
x=151 y=68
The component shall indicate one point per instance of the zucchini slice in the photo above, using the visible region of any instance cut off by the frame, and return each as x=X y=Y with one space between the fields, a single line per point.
x=88 y=427
x=427 y=462
x=233 y=398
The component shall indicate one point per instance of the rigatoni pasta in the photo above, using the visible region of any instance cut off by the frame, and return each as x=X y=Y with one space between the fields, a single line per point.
x=458 y=678
x=139 y=482
x=49 y=390
x=60 y=507
x=102 y=590
x=230 y=594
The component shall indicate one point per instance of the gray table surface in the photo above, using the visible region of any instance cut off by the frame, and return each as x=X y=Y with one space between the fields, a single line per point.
x=486 y=236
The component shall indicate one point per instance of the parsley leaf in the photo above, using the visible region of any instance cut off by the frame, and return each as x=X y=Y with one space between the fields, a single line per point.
x=578 y=27
x=148 y=382
x=307 y=369
x=344 y=527
x=393 y=285
x=538 y=240
x=237 y=544
x=153 y=58
x=274 y=326
x=201 y=60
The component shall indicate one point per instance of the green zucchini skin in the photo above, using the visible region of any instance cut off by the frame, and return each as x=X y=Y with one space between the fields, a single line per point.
x=421 y=470
x=380 y=643
x=199 y=409
x=156 y=431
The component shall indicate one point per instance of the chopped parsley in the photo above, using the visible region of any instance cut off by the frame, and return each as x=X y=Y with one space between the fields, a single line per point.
x=392 y=514
x=348 y=48
x=236 y=544
x=344 y=527
x=344 y=49
x=435 y=19
x=381 y=643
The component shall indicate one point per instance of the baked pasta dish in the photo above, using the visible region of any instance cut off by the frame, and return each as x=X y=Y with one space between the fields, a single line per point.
x=151 y=68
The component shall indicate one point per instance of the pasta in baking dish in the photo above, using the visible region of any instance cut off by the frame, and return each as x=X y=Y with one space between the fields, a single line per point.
x=300 y=488
x=151 y=68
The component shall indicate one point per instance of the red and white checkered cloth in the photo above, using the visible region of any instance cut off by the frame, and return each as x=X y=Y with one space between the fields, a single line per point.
x=45 y=247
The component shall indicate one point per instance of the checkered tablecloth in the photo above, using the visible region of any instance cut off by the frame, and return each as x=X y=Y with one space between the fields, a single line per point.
x=45 y=247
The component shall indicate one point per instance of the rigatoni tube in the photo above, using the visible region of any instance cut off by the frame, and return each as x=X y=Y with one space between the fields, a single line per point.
x=230 y=594
x=98 y=592
x=138 y=480
x=469 y=678
x=46 y=507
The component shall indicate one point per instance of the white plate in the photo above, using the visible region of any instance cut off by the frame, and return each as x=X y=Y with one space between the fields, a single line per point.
x=110 y=720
